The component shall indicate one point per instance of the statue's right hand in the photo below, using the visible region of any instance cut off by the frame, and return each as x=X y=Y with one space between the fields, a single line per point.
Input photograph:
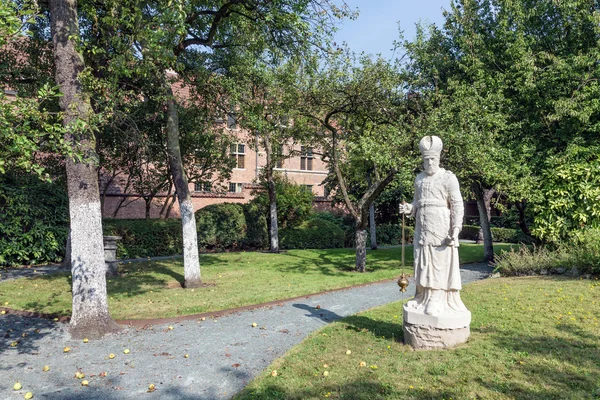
x=405 y=208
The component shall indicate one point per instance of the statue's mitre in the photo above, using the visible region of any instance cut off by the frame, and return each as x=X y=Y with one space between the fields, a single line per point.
x=431 y=146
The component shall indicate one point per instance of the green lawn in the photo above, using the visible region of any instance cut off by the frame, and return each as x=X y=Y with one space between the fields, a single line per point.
x=153 y=289
x=532 y=338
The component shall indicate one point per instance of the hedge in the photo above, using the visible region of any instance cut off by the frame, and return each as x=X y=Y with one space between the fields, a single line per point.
x=145 y=237
x=34 y=220
x=221 y=226
x=315 y=233
x=504 y=235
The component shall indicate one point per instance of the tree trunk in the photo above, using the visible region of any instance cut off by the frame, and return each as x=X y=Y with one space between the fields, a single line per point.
x=148 y=203
x=361 y=248
x=166 y=202
x=273 y=225
x=89 y=317
x=521 y=206
x=191 y=259
x=372 y=227
x=170 y=208
x=484 y=198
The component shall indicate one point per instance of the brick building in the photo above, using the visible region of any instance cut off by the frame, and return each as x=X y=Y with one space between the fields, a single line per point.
x=306 y=169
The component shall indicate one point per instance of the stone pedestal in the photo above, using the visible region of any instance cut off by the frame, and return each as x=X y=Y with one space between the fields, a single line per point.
x=110 y=254
x=425 y=332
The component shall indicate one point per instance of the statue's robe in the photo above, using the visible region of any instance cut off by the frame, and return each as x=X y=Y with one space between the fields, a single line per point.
x=437 y=208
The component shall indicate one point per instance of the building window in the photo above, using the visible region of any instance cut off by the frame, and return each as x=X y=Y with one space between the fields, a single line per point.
x=238 y=153
x=308 y=188
x=278 y=155
x=306 y=158
x=202 y=187
x=235 y=187
x=231 y=121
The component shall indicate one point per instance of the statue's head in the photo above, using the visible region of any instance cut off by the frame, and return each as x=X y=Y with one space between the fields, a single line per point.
x=431 y=148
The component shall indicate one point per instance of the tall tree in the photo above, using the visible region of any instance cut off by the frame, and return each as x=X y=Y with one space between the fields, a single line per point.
x=89 y=316
x=533 y=67
x=193 y=38
x=265 y=108
x=355 y=104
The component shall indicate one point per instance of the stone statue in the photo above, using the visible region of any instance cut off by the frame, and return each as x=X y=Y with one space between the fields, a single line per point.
x=438 y=211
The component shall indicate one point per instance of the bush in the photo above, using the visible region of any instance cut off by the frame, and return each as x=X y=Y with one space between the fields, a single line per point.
x=257 y=234
x=391 y=234
x=294 y=202
x=221 y=226
x=315 y=233
x=469 y=232
x=504 y=235
x=507 y=235
x=530 y=261
x=145 y=237
x=34 y=221
x=584 y=251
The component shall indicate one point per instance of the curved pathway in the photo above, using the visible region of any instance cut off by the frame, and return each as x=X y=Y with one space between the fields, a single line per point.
x=223 y=354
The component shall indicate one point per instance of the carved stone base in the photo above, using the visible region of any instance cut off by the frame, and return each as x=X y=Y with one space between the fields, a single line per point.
x=426 y=332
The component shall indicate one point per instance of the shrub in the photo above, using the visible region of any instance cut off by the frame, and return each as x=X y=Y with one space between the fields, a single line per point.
x=469 y=232
x=529 y=261
x=145 y=237
x=569 y=197
x=257 y=234
x=581 y=252
x=34 y=221
x=315 y=233
x=584 y=251
x=221 y=226
x=391 y=234
x=504 y=235
x=294 y=202
x=507 y=235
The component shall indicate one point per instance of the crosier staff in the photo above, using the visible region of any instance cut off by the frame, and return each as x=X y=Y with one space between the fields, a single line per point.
x=403 y=279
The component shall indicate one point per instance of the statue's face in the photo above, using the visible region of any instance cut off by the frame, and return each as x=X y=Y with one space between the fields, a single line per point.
x=431 y=164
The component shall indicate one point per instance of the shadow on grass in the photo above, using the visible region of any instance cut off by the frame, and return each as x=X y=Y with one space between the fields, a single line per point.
x=384 y=330
x=566 y=367
x=341 y=262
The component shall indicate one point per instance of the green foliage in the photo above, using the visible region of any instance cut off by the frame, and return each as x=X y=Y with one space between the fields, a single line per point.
x=145 y=237
x=391 y=234
x=34 y=221
x=504 y=235
x=221 y=226
x=584 y=251
x=570 y=194
x=257 y=233
x=469 y=232
x=315 y=233
x=529 y=261
x=344 y=221
x=507 y=235
x=581 y=252
x=294 y=202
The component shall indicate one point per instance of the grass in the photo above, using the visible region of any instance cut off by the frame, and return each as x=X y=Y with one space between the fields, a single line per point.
x=153 y=289
x=531 y=338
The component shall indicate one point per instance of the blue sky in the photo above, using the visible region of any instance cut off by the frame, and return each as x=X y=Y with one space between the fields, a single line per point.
x=376 y=27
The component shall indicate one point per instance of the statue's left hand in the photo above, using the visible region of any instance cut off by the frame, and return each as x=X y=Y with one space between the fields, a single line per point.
x=452 y=241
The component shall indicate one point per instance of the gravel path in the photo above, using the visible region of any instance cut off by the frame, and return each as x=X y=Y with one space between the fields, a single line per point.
x=224 y=354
